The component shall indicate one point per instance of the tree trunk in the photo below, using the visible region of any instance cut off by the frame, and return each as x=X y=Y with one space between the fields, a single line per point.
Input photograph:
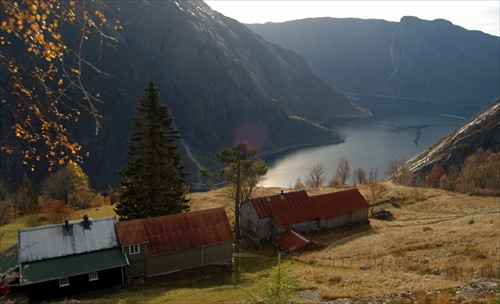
x=237 y=234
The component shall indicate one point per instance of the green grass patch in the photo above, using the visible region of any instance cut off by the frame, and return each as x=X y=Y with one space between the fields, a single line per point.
x=202 y=285
x=8 y=232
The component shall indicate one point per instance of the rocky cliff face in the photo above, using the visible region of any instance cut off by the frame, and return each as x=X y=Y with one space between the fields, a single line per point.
x=221 y=81
x=432 y=60
x=481 y=131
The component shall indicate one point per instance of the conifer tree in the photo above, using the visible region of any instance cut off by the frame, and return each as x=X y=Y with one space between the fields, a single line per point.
x=155 y=182
x=279 y=288
x=27 y=200
x=242 y=174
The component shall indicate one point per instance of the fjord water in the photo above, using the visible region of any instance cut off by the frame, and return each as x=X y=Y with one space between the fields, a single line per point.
x=399 y=128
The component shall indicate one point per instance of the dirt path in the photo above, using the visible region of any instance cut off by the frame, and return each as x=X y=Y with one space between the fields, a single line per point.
x=346 y=239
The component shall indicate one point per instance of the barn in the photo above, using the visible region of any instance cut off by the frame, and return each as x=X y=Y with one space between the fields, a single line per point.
x=267 y=218
x=263 y=218
x=64 y=259
x=341 y=208
x=170 y=243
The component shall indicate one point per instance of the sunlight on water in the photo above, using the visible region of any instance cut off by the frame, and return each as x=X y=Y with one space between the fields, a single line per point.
x=370 y=143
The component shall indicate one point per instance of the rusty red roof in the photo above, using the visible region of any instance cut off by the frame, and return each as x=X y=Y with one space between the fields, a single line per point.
x=172 y=233
x=286 y=208
x=131 y=232
x=295 y=207
x=293 y=241
x=341 y=202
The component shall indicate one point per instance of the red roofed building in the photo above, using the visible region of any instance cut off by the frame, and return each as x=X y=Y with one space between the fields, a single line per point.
x=292 y=241
x=341 y=208
x=266 y=218
x=170 y=243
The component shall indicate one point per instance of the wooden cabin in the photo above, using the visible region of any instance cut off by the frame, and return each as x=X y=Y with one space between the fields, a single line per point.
x=170 y=243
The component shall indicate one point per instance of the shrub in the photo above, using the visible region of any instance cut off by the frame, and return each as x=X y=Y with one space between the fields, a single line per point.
x=57 y=211
x=99 y=201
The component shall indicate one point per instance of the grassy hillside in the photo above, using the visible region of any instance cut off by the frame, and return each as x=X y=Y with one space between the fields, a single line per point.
x=437 y=240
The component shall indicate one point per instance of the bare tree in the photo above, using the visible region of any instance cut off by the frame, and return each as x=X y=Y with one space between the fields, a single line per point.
x=299 y=185
x=376 y=191
x=405 y=175
x=394 y=170
x=316 y=176
x=343 y=171
x=373 y=175
x=360 y=175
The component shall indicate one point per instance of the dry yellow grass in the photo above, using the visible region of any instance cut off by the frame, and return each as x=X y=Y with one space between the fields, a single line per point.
x=434 y=229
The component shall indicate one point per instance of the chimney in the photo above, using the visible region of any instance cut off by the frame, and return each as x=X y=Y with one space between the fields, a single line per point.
x=66 y=225
x=86 y=222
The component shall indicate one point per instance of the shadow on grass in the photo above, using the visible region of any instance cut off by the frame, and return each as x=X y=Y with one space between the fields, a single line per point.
x=209 y=281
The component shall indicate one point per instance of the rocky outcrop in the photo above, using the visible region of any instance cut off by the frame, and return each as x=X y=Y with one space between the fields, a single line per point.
x=481 y=131
x=431 y=60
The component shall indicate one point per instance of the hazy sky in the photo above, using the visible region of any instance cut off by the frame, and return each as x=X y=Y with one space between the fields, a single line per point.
x=472 y=15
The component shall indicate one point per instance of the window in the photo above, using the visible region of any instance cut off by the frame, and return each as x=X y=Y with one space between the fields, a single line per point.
x=63 y=282
x=134 y=249
x=93 y=276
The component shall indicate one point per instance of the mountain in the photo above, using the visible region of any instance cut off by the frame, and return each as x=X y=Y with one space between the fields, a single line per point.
x=481 y=131
x=221 y=82
x=413 y=58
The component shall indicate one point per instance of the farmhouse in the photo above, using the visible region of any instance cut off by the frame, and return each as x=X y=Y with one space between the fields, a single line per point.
x=268 y=218
x=170 y=243
x=77 y=256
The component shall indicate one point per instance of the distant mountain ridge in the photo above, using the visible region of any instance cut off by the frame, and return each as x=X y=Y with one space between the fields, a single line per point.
x=413 y=58
x=221 y=82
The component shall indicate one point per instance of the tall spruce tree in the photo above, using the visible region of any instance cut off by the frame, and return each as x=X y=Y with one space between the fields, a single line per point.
x=155 y=182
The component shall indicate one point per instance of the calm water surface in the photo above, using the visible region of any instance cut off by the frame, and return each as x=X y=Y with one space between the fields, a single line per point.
x=399 y=129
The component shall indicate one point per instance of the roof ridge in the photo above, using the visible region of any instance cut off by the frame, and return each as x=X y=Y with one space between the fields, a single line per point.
x=59 y=224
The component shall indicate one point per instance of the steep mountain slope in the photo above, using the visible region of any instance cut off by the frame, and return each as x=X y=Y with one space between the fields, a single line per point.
x=221 y=81
x=482 y=131
x=433 y=60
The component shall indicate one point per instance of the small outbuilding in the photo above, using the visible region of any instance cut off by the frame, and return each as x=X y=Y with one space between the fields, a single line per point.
x=64 y=259
x=170 y=243
x=292 y=241
x=266 y=219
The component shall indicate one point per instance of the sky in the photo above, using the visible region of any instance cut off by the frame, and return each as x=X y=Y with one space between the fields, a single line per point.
x=472 y=15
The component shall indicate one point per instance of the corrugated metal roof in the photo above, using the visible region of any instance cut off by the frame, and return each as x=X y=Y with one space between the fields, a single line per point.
x=73 y=265
x=53 y=241
x=286 y=208
x=341 y=202
x=131 y=232
x=177 y=232
x=293 y=241
x=295 y=207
